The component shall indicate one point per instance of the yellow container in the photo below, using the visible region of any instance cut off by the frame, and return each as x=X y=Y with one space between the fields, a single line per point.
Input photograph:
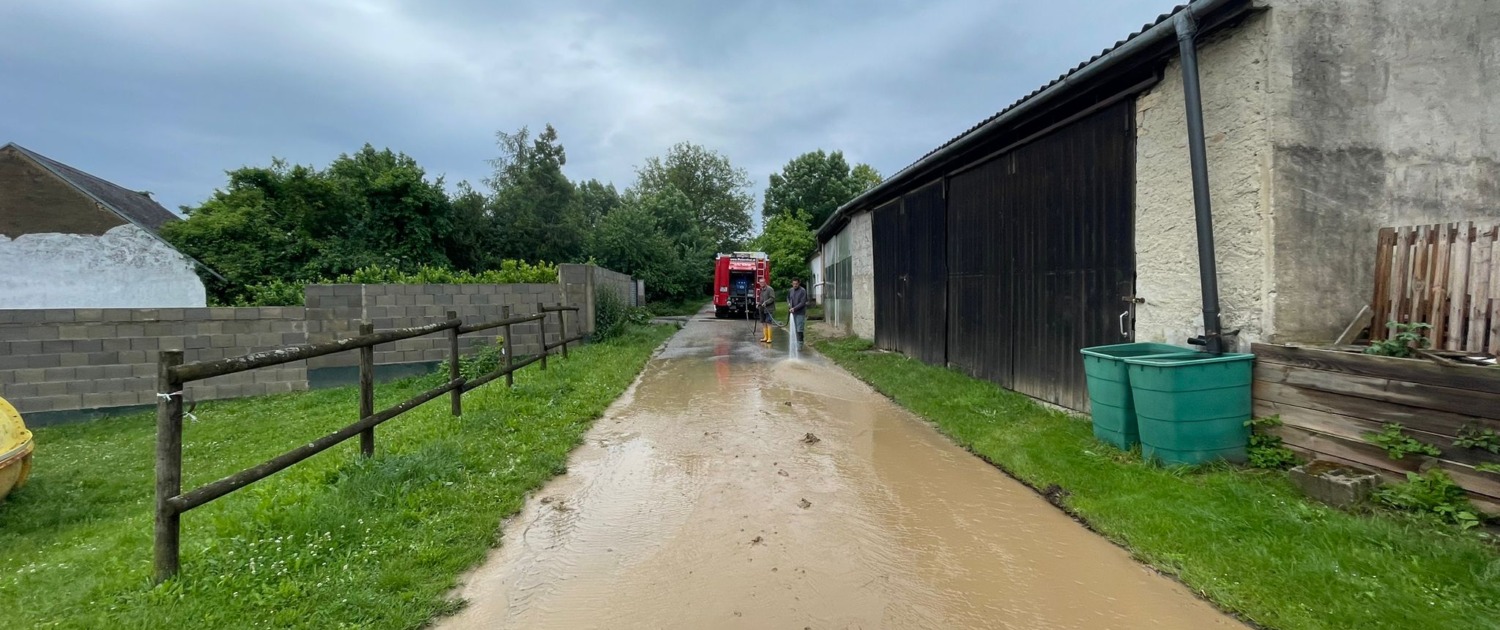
x=15 y=450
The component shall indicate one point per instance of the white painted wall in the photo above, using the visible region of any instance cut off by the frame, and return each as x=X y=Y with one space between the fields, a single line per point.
x=1232 y=68
x=125 y=267
x=862 y=263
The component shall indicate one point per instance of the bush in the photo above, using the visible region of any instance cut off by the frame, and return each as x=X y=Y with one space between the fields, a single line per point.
x=610 y=315
x=510 y=272
x=482 y=360
x=1266 y=450
x=274 y=293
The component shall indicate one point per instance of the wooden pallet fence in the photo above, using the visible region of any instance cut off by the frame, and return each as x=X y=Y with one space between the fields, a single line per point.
x=1329 y=401
x=172 y=374
x=1446 y=275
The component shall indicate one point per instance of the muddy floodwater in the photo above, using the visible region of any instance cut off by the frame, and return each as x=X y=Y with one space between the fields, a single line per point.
x=737 y=487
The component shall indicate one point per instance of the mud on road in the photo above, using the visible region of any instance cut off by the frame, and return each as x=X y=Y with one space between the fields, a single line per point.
x=735 y=487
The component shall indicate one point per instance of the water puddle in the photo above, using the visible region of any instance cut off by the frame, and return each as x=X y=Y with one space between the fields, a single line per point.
x=740 y=487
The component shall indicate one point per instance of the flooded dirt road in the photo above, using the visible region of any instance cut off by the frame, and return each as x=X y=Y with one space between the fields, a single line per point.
x=701 y=501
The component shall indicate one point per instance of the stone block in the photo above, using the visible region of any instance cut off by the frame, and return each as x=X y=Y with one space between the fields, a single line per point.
x=1338 y=485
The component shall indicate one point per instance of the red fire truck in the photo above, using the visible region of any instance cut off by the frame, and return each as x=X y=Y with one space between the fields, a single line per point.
x=737 y=277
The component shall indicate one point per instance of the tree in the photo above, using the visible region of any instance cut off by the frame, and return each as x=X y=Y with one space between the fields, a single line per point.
x=715 y=189
x=818 y=183
x=656 y=236
x=595 y=201
x=789 y=241
x=532 y=205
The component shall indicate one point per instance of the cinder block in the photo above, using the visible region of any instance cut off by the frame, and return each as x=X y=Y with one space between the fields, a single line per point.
x=95 y=400
x=172 y=342
x=117 y=371
x=58 y=315
x=229 y=341
x=72 y=359
x=87 y=314
x=7 y=377
x=196 y=342
x=291 y=339
x=102 y=331
x=137 y=357
x=116 y=314
x=18 y=348
x=127 y=398
x=10 y=362
x=112 y=345
x=247 y=314
x=145 y=343
x=44 y=361
x=28 y=390
x=64 y=332
x=145 y=315
x=88 y=372
x=197 y=314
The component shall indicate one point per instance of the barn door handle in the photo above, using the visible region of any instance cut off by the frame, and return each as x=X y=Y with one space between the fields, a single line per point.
x=1123 y=332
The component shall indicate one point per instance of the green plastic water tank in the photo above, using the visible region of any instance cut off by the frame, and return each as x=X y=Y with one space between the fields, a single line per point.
x=1192 y=409
x=1109 y=388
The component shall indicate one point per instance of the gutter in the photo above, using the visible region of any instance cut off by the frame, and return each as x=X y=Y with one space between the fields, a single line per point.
x=1162 y=32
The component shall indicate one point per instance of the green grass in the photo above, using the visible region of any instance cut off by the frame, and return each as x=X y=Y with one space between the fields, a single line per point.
x=331 y=542
x=1244 y=539
x=815 y=310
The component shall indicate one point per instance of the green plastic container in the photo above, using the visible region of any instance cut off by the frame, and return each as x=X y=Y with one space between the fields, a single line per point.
x=1192 y=409
x=1109 y=388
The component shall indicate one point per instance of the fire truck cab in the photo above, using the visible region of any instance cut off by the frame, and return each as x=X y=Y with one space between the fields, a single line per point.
x=737 y=278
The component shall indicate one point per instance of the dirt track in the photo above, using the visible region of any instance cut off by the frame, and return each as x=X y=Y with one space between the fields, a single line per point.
x=700 y=501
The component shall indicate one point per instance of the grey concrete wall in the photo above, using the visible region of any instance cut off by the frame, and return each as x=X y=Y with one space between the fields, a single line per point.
x=580 y=282
x=335 y=311
x=55 y=363
x=1384 y=113
x=1232 y=68
x=862 y=258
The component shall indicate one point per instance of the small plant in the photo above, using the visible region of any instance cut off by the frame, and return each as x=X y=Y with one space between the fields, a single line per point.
x=482 y=359
x=1432 y=493
x=1475 y=437
x=1407 y=336
x=1489 y=468
x=1398 y=444
x=1266 y=450
x=611 y=315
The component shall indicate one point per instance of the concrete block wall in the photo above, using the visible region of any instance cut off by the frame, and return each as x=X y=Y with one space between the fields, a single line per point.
x=59 y=363
x=334 y=312
x=580 y=282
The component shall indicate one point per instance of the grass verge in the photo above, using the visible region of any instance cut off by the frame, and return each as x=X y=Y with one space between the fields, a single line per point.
x=1246 y=540
x=332 y=542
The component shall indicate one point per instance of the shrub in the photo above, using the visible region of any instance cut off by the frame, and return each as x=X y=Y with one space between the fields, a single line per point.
x=1266 y=450
x=1432 y=493
x=610 y=315
x=274 y=293
x=1398 y=444
x=1407 y=337
x=482 y=360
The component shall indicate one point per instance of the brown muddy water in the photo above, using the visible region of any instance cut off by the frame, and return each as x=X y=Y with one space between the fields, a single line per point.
x=699 y=501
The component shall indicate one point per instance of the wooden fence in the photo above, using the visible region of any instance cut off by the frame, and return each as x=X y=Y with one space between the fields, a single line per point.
x=172 y=373
x=1445 y=275
x=1330 y=401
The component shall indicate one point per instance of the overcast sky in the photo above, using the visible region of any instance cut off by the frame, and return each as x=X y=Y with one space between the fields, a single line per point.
x=166 y=95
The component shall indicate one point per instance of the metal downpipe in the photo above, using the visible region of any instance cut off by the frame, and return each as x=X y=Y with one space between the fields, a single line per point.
x=1208 y=273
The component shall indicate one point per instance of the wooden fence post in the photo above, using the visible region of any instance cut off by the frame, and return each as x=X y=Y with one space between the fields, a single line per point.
x=457 y=395
x=510 y=379
x=168 y=464
x=562 y=322
x=367 y=390
x=539 y=309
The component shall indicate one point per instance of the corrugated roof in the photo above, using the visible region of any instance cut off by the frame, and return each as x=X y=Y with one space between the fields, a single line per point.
x=132 y=206
x=1159 y=19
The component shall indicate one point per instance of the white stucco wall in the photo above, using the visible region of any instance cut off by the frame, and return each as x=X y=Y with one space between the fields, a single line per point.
x=862 y=263
x=125 y=267
x=1233 y=71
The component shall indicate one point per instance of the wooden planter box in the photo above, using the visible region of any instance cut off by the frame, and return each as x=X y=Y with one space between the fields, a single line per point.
x=1329 y=400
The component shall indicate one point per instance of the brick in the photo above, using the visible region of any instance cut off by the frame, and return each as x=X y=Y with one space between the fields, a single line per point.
x=95 y=400
x=44 y=361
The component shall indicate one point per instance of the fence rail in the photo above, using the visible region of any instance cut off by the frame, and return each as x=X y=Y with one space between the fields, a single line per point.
x=172 y=373
x=1447 y=276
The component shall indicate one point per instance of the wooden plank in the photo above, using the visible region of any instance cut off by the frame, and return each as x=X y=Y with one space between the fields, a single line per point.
x=1427 y=420
x=1458 y=287
x=1437 y=314
x=1486 y=504
x=1479 y=289
x=1460 y=401
x=1400 y=278
x=1352 y=331
x=1385 y=250
x=200 y=370
x=1494 y=345
x=1421 y=272
x=1355 y=429
x=1415 y=370
x=1371 y=456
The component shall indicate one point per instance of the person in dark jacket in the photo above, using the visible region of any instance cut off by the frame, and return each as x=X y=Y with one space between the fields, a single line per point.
x=766 y=304
x=796 y=301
